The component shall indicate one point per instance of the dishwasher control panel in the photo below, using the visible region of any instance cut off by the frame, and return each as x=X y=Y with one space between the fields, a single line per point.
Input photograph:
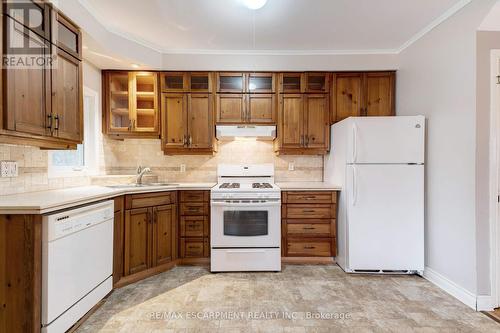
x=67 y=222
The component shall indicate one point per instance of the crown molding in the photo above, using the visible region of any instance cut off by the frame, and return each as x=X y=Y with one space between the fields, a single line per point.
x=446 y=15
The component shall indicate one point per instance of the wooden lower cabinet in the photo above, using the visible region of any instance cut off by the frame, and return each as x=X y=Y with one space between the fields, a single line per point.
x=118 y=238
x=150 y=232
x=309 y=223
x=194 y=226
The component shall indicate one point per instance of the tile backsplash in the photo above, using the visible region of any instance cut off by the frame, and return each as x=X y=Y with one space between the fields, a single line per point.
x=123 y=158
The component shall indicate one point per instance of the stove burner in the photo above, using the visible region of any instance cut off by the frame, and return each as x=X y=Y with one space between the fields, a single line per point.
x=230 y=185
x=261 y=185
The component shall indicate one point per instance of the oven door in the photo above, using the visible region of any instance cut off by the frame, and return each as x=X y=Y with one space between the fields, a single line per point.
x=243 y=223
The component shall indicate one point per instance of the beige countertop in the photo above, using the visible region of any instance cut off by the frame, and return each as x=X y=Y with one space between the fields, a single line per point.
x=48 y=201
x=44 y=202
x=308 y=186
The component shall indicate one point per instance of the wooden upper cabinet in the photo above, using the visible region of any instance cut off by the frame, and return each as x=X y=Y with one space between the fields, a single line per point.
x=35 y=15
x=145 y=102
x=131 y=104
x=261 y=108
x=164 y=218
x=200 y=82
x=118 y=114
x=379 y=96
x=174 y=118
x=292 y=82
x=317 y=125
x=27 y=90
x=303 y=124
x=260 y=82
x=137 y=240
x=363 y=94
x=174 y=81
x=317 y=82
x=231 y=108
x=67 y=108
x=66 y=35
x=291 y=121
x=231 y=82
x=348 y=96
x=188 y=126
x=200 y=121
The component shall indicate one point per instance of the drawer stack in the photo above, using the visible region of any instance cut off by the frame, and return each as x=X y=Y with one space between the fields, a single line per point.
x=194 y=226
x=308 y=223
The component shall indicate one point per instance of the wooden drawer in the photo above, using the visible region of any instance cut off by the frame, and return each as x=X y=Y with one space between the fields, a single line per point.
x=194 y=226
x=309 y=229
x=194 y=247
x=150 y=199
x=194 y=196
x=310 y=197
x=194 y=208
x=310 y=247
x=309 y=211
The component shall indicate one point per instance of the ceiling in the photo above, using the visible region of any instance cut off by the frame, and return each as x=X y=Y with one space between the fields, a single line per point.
x=300 y=26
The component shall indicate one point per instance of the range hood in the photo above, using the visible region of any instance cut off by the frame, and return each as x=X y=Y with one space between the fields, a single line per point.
x=230 y=132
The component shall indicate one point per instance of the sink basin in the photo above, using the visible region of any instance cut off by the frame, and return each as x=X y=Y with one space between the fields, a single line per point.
x=141 y=185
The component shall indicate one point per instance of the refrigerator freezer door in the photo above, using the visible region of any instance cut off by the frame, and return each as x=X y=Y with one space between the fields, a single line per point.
x=385 y=217
x=386 y=140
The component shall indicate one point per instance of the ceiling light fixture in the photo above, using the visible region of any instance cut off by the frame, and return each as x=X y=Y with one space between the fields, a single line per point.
x=134 y=65
x=254 y=4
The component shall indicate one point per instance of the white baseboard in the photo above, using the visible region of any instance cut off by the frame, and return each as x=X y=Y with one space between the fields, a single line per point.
x=460 y=293
x=485 y=303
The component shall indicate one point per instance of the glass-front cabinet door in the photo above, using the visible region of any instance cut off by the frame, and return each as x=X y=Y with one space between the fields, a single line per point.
x=174 y=81
x=291 y=82
x=231 y=82
x=317 y=82
x=119 y=106
x=146 y=102
x=200 y=82
x=260 y=82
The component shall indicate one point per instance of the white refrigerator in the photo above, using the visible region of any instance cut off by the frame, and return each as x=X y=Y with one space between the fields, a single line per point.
x=379 y=162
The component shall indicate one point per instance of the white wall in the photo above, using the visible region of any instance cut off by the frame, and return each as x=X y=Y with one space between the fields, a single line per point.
x=437 y=78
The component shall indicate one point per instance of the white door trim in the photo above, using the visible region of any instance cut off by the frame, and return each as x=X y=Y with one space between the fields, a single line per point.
x=494 y=178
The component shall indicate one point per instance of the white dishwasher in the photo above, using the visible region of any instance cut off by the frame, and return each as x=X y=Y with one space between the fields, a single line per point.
x=77 y=263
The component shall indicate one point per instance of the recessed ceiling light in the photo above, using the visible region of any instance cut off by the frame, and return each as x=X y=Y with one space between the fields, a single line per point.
x=254 y=4
x=135 y=65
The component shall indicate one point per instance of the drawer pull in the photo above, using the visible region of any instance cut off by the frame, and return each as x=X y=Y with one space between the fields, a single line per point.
x=308 y=228
x=310 y=198
x=309 y=247
x=193 y=247
x=308 y=210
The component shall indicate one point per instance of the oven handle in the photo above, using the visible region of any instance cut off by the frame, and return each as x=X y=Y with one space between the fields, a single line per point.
x=245 y=204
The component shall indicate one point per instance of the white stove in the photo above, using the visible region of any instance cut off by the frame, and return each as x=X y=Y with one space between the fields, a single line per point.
x=245 y=219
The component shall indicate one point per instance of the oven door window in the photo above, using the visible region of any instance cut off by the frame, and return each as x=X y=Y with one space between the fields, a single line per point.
x=245 y=223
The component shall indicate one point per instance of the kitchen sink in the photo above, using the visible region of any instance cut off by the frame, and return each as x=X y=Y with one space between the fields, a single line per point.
x=141 y=185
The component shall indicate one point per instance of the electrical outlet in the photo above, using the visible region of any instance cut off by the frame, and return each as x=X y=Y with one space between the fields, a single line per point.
x=291 y=166
x=8 y=169
x=183 y=168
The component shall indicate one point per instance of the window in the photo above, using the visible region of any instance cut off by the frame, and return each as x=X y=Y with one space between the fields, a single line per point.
x=82 y=161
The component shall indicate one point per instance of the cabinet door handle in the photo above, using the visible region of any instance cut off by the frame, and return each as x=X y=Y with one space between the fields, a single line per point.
x=301 y=140
x=307 y=141
x=56 y=127
x=190 y=140
x=50 y=122
x=130 y=124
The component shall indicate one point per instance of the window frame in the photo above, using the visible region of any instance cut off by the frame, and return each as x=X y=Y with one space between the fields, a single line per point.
x=92 y=123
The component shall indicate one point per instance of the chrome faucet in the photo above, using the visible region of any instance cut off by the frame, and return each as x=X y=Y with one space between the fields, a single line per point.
x=140 y=172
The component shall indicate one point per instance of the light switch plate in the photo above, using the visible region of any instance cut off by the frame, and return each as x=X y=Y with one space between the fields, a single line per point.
x=183 y=167
x=8 y=169
x=291 y=166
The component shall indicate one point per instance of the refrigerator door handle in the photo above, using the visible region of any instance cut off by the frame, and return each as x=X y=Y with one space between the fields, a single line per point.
x=354 y=186
x=354 y=142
